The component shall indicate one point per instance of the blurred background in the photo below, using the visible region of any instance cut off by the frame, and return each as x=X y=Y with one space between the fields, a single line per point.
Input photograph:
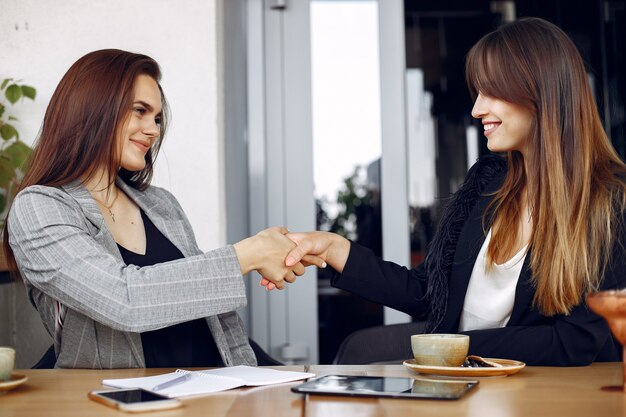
x=349 y=116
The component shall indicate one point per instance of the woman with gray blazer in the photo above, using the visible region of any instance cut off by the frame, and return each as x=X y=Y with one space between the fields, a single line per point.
x=110 y=262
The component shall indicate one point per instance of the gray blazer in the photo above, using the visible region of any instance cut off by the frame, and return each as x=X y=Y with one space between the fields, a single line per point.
x=93 y=304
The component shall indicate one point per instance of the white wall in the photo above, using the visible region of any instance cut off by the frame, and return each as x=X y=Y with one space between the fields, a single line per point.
x=40 y=39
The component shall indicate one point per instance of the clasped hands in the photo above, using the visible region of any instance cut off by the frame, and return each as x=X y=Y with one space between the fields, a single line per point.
x=280 y=256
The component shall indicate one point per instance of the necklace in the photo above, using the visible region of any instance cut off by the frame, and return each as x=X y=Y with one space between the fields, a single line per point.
x=109 y=207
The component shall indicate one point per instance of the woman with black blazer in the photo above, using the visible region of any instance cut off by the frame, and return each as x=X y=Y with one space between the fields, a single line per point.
x=530 y=232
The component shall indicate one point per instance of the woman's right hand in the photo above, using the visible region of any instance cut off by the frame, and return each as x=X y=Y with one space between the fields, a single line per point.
x=265 y=252
x=312 y=247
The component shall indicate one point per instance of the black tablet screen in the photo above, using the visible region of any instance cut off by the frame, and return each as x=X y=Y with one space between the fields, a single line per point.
x=375 y=386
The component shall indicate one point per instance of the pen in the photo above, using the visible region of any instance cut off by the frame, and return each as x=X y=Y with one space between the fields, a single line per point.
x=172 y=382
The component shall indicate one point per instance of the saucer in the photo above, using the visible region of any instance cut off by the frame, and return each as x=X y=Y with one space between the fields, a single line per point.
x=509 y=367
x=15 y=381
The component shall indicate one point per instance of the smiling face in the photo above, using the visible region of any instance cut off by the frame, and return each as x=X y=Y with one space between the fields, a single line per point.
x=142 y=127
x=507 y=126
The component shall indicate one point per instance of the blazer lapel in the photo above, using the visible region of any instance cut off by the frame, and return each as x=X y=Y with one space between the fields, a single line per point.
x=468 y=246
x=92 y=213
x=79 y=193
x=524 y=293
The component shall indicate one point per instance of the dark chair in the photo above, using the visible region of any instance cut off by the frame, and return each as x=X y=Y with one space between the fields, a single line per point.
x=262 y=357
x=49 y=358
x=379 y=344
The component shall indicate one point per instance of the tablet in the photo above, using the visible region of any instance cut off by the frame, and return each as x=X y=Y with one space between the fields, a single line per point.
x=392 y=387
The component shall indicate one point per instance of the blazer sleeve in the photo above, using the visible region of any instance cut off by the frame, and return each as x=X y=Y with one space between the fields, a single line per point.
x=572 y=340
x=56 y=253
x=384 y=282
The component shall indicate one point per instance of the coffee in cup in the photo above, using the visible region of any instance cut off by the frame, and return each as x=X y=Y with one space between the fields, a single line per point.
x=440 y=349
x=7 y=360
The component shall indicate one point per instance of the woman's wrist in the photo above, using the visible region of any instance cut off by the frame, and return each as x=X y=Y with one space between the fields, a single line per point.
x=338 y=252
x=245 y=254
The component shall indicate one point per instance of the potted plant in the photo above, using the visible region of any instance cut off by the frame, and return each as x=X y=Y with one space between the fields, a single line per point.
x=13 y=152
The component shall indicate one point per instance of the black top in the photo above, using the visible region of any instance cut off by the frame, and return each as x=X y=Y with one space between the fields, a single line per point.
x=188 y=344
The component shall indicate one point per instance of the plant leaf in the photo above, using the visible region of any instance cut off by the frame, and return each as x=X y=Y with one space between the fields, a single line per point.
x=7 y=171
x=18 y=153
x=1 y=110
x=13 y=93
x=7 y=131
x=3 y=204
x=5 y=82
x=6 y=161
x=29 y=91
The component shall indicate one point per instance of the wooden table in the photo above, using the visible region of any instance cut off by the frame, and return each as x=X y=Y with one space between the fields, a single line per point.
x=535 y=391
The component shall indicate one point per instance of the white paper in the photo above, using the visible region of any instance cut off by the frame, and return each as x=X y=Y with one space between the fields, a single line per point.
x=208 y=381
x=259 y=376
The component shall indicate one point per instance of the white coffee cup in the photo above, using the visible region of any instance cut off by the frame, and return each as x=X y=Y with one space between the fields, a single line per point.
x=7 y=361
x=440 y=349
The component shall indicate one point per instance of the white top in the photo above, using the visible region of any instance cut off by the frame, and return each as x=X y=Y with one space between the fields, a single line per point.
x=491 y=294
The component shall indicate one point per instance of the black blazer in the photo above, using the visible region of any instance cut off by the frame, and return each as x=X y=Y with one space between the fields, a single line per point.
x=576 y=339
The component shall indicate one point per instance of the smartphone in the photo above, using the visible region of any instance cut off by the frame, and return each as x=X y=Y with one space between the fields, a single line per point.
x=134 y=400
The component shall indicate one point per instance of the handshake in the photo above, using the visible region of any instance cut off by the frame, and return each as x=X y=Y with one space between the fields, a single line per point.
x=280 y=256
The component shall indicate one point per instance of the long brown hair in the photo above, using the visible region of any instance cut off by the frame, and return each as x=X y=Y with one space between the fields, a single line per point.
x=573 y=176
x=86 y=112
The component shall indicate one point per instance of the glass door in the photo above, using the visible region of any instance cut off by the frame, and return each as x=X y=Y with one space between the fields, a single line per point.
x=326 y=151
x=347 y=151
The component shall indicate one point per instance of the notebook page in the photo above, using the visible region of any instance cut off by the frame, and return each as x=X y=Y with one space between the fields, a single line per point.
x=146 y=382
x=202 y=384
x=199 y=383
x=254 y=376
